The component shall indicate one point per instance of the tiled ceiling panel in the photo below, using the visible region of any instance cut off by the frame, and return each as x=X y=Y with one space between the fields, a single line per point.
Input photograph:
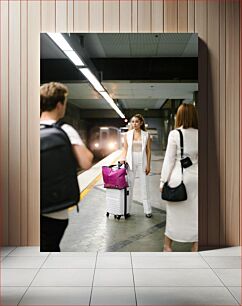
x=144 y=103
x=133 y=95
x=129 y=45
x=142 y=44
x=82 y=91
x=90 y=104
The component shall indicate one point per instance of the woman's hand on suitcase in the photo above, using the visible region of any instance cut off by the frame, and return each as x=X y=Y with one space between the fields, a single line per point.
x=147 y=170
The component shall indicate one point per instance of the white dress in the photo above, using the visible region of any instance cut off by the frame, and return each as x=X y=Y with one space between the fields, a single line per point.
x=182 y=217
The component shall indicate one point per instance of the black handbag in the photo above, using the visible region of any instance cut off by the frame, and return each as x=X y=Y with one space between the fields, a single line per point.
x=174 y=194
x=178 y=193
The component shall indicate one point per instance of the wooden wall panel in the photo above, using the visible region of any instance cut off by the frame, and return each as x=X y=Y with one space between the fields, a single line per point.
x=134 y=15
x=96 y=16
x=23 y=124
x=14 y=121
x=240 y=59
x=217 y=23
x=126 y=16
x=81 y=16
x=213 y=125
x=232 y=122
x=191 y=16
x=70 y=16
x=33 y=51
x=183 y=16
x=171 y=16
x=4 y=130
x=144 y=16
x=157 y=13
x=48 y=16
x=61 y=16
x=222 y=121
x=111 y=16
x=201 y=28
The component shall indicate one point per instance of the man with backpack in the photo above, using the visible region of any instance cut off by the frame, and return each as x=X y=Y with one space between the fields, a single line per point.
x=62 y=151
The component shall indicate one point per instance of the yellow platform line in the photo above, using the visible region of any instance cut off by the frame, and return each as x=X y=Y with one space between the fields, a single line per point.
x=91 y=185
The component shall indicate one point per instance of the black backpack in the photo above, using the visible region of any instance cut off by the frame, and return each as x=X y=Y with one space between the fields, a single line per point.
x=58 y=170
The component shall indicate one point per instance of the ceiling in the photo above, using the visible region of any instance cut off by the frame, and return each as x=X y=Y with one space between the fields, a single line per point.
x=141 y=45
x=128 y=45
x=131 y=94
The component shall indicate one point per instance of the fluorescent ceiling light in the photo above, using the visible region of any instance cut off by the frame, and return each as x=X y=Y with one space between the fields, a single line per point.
x=107 y=97
x=92 y=79
x=118 y=111
x=66 y=48
x=112 y=103
x=60 y=41
x=74 y=58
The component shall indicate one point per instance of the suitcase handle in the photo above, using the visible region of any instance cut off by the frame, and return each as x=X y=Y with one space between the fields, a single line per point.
x=119 y=165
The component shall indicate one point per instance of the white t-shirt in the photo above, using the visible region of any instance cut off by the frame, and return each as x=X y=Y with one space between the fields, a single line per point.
x=75 y=139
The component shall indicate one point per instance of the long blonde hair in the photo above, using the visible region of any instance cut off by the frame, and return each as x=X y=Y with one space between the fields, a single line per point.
x=141 y=119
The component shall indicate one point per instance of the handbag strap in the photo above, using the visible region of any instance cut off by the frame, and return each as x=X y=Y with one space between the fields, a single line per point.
x=181 y=142
x=182 y=147
x=119 y=165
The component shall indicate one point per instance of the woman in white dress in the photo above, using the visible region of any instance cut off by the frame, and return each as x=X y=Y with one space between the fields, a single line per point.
x=137 y=154
x=182 y=217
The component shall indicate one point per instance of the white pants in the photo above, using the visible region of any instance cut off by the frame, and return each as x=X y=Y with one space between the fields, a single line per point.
x=137 y=169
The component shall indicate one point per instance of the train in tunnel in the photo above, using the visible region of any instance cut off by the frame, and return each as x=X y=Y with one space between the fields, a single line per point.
x=104 y=140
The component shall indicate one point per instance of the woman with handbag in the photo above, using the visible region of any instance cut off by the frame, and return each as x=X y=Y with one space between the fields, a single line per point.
x=179 y=179
x=137 y=154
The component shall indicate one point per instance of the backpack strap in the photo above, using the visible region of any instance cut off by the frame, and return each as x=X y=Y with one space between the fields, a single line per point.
x=43 y=125
x=59 y=123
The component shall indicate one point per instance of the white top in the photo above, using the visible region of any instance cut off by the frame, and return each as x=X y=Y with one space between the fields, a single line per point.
x=137 y=146
x=130 y=140
x=75 y=139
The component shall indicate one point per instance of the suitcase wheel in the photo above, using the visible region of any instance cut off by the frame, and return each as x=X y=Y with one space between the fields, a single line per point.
x=118 y=217
x=107 y=214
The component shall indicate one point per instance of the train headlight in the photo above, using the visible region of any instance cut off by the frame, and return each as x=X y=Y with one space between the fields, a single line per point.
x=96 y=145
x=112 y=145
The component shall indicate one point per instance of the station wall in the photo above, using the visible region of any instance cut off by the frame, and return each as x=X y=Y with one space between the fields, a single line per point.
x=73 y=117
x=218 y=26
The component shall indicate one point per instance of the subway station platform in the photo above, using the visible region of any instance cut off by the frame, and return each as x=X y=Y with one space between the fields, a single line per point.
x=91 y=230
